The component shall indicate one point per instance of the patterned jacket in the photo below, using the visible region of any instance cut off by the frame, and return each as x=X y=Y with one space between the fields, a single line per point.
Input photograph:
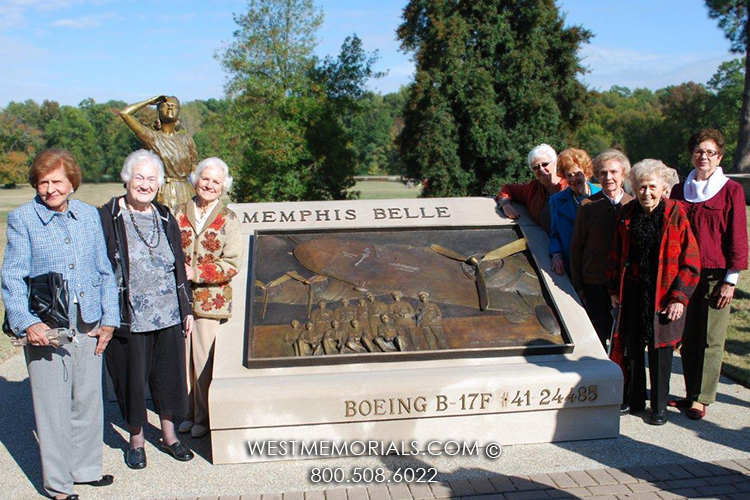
x=71 y=243
x=214 y=254
x=115 y=234
x=678 y=273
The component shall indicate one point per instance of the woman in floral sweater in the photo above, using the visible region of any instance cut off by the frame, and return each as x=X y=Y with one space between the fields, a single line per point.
x=211 y=242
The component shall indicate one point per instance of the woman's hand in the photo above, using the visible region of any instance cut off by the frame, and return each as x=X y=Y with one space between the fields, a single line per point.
x=615 y=301
x=724 y=294
x=35 y=334
x=558 y=266
x=105 y=335
x=189 y=272
x=189 y=323
x=674 y=311
x=510 y=212
x=157 y=99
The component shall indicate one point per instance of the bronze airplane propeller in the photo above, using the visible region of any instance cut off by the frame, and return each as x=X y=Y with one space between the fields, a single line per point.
x=266 y=286
x=497 y=254
x=309 y=284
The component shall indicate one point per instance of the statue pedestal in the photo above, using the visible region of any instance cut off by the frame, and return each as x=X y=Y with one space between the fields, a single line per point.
x=465 y=394
x=744 y=180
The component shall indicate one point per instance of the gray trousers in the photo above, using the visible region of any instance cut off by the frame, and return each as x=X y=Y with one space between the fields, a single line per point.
x=66 y=389
x=703 y=340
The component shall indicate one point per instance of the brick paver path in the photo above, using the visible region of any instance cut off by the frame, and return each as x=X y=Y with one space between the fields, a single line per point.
x=726 y=480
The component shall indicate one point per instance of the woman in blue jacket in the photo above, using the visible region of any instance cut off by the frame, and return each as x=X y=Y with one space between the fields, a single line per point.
x=54 y=234
x=575 y=166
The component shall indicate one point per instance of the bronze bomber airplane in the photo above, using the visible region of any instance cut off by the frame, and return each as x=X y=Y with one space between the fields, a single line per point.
x=501 y=280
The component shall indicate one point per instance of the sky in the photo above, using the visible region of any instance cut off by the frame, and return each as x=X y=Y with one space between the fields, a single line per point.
x=130 y=50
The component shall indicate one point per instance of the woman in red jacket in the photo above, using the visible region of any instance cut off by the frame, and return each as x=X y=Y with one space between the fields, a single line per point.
x=535 y=194
x=652 y=270
x=715 y=207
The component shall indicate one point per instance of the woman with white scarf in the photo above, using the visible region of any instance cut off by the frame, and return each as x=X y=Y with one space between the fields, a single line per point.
x=715 y=207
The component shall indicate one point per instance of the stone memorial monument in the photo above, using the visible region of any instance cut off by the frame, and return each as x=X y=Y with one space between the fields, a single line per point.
x=401 y=321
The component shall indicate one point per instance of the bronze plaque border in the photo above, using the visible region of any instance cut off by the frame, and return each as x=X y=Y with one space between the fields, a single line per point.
x=468 y=353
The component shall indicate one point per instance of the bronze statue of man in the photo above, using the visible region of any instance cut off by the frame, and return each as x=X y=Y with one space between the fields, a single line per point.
x=403 y=318
x=176 y=149
x=322 y=317
x=375 y=309
x=332 y=338
x=388 y=338
x=290 y=339
x=430 y=320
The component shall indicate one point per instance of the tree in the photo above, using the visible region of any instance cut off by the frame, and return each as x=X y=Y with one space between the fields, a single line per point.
x=72 y=131
x=734 y=20
x=112 y=135
x=19 y=142
x=493 y=79
x=283 y=131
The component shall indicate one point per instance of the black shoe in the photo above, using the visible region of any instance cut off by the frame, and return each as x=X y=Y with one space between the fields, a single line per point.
x=105 y=480
x=624 y=409
x=135 y=458
x=658 y=417
x=178 y=450
x=74 y=496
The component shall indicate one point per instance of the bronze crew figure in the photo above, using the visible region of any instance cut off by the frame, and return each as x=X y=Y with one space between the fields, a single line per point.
x=430 y=321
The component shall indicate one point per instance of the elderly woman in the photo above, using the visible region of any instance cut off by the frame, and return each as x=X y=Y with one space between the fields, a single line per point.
x=143 y=244
x=575 y=166
x=212 y=246
x=52 y=234
x=592 y=237
x=652 y=270
x=715 y=207
x=534 y=194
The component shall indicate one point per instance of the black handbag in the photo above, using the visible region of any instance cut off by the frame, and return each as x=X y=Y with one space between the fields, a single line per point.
x=48 y=299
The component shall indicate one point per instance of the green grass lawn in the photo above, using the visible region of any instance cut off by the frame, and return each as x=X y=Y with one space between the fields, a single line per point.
x=736 y=358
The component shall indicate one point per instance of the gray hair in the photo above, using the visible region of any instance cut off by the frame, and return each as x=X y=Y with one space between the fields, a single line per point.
x=612 y=155
x=212 y=162
x=138 y=157
x=657 y=169
x=542 y=150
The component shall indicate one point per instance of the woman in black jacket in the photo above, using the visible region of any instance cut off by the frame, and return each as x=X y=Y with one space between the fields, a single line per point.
x=143 y=244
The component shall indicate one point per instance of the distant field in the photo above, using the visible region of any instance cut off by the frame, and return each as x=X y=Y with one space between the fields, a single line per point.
x=736 y=358
x=375 y=190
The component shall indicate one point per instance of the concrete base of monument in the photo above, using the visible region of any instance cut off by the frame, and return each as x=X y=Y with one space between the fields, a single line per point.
x=264 y=414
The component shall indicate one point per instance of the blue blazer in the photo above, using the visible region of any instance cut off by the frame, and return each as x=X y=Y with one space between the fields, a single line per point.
x=71 y=243
x=563 y=210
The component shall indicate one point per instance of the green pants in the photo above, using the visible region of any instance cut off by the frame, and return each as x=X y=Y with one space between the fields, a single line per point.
x=703 y=339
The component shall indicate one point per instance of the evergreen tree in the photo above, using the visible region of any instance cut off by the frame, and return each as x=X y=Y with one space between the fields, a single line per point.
x=284 y=136
x=734 y=20
x=493 y=79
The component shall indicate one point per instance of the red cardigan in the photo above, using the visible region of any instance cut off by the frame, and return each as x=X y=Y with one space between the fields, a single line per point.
x=678 y=274
x=531 y=194
x=720 y=226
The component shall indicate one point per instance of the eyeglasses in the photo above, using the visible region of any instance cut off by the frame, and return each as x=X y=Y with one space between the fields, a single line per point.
x=710 y=153
x=541 y=165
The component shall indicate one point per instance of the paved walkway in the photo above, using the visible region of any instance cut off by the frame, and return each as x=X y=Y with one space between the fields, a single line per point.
x=705 y=459
x=726 y=479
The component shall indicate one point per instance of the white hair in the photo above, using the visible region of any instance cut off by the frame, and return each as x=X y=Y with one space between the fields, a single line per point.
x=138 y=157
x=648 y=168
x=542 y=150
x=212 y=162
